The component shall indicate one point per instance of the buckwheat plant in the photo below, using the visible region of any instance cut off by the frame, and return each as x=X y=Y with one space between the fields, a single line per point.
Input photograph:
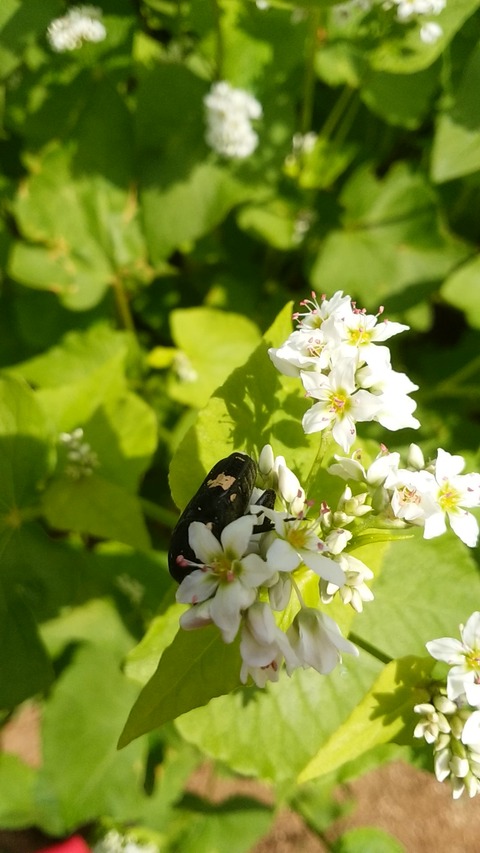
x=273 y=572
x=450 y=720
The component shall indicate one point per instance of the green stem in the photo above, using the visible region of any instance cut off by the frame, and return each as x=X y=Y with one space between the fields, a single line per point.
x=309 y=77
x=337 y=112
x=158 y=513
x=325 y=442
x=220 y=43
x=123 y=306
x=371 y=650
x=471 y=392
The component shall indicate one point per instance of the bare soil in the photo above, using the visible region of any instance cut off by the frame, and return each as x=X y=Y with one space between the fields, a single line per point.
x=409 y=804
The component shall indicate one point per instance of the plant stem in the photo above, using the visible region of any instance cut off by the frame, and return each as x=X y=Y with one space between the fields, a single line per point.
x=337 y=112
x=123 y=306
x=158 y=513
x=309 y=77
x=220 y=43
x=371 y=650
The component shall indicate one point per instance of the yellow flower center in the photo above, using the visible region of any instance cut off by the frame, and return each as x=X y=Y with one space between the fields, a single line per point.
x=448 y=497
x=359 y=337
x=339 y=401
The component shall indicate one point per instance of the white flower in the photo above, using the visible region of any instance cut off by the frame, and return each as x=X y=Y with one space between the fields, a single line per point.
x=263 y=646
x=296 y=543
x=317 y=312
x=227 y=578
x=357 y=334
x=81 y=24
x=303 y=350
x=277 y=475
x=340 y=404
x=471 y=730
x=407 y=9
x=317 y=640
x=449 y=494
x=392 y=388
x=354 y=591
x=463 y=656
x=430 y=32
x=350 y=468
x=229 y=113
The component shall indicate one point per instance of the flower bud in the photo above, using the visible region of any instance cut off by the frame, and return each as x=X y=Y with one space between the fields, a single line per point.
x=266 y=460
x=415 y=458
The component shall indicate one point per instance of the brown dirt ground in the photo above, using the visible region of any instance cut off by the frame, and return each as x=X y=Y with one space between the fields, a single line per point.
x=408 y=803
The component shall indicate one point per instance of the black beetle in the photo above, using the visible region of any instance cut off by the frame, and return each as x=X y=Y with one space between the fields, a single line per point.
x=224 y=496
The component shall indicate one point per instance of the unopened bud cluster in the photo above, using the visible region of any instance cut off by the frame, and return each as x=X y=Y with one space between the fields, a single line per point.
x=81 y=459
x=450 y=721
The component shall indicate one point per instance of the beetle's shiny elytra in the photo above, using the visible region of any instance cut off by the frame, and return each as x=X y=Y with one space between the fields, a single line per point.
x=223 y=496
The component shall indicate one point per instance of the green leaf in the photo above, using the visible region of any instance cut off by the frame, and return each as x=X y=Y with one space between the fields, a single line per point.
x=461 y=290
x=123 y=434
x=456 y=143
x=288 y=722
x=16 y=792
x=392 y=237
x=195 y=667
x=384 y=714
x=255 y=405
x=78 y=212
x=142 y=661
x=403 y=52
x=25 y=668
x=184 y=192
x=24 y=447
x=368 y=840
x=227 y=341
x=83 y=778
x=425 y=590
x=234 y=825
x=96 y=507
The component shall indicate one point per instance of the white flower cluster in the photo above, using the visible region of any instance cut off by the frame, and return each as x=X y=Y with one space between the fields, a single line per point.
x=408 y=10
x=82 y=460
x=425 y=496
x=252 y=573
x=451 y=720
x=336 y=353
x=81 y=24
x=115 y=842
x=229 y=113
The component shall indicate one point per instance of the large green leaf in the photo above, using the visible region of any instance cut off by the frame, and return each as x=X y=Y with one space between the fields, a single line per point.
x=456 y=144
x=226 y=342
x=461 y=290
x=78 y=212
x=393 y=237
x=426 y=589
x=83 y=778
x=97 y=507
x=273 y=733
x=25 y=668
x=403 y=52
x=255 y=405
x=234 y=825
x=384 y=714
x=184 y=192
x=24 y=447
x=195 y=667
x=17 y=782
